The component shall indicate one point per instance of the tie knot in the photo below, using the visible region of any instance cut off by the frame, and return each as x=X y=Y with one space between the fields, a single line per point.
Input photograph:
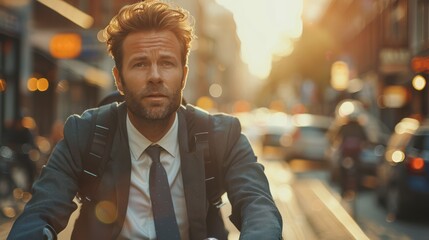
x=154 y=151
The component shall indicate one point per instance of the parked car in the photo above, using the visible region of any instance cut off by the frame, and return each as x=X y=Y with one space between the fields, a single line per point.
x=307 y=140
x=404 y=174
x=273 y=125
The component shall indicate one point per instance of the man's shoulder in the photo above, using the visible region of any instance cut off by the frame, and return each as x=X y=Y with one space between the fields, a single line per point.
x=78 y=123
x=222 y=126
x=87 y=114
x=219 y=119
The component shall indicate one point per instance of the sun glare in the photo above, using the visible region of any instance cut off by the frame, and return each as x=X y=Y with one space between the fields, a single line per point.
x=266 y=29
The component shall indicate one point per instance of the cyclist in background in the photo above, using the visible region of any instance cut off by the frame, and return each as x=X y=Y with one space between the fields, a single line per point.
x=352 y=138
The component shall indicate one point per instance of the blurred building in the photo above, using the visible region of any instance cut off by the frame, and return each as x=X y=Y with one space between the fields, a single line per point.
x=419 y=50
x=67 y=52
x=376 y=41
x=13 y=58
x=374 y=51
x=216 y=69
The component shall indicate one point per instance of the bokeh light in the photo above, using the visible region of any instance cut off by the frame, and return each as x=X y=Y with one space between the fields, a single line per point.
x=2 y=85
x=419 y=82
x=106 y=212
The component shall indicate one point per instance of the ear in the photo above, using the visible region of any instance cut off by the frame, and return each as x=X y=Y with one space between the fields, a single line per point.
x=118 y=80
x=185 y=76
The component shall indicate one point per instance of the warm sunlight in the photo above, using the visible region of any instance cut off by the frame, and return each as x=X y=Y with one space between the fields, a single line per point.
x=266 y=29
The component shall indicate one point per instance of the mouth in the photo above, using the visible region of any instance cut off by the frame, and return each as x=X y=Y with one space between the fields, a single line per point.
x=155 y=96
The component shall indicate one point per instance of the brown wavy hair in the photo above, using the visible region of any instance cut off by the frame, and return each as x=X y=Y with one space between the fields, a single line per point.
x=145 y=16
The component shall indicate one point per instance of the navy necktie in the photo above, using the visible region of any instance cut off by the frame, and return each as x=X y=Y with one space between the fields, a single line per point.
x=162 y=205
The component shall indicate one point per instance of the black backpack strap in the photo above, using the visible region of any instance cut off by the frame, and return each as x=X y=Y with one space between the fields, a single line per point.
x=103 y=126
x=201 y=128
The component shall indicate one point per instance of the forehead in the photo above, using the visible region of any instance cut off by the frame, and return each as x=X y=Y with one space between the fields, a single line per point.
x=148 y=41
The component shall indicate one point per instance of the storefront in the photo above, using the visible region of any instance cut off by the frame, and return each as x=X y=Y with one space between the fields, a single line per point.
x=11 y=26
x=419 y=46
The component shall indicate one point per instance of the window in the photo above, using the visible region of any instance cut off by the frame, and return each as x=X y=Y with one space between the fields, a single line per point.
x=397 y=24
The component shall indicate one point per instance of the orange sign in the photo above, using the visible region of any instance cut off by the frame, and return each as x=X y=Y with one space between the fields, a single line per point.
x=66 y=45
x=420 y=64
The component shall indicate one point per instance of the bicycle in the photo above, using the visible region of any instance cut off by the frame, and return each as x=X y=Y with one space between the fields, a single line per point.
x=349 y=181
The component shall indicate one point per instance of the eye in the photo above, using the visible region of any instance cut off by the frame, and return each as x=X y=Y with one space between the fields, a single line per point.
x=167 y=63
x=140 y=64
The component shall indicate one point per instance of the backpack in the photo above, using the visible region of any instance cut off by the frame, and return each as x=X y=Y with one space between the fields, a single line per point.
x=103 y=126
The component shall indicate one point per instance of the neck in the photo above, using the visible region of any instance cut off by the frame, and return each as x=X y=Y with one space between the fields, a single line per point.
x=153 y=130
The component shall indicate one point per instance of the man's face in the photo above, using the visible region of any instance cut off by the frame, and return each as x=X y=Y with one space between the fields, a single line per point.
x=152 y=76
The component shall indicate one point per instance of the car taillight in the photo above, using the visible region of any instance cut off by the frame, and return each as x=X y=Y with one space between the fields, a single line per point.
x=296 y=135
x=416 y=164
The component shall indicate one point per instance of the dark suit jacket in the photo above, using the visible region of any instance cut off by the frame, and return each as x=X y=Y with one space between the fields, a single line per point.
x=253 y=209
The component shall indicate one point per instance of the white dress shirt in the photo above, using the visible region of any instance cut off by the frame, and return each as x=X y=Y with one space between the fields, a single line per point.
x=139 y=222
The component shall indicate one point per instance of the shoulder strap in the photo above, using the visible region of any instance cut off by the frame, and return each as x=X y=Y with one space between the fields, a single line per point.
x=103 y=126
x=201 y=126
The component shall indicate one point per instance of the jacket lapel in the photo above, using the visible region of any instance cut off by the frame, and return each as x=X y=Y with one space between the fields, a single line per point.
x=120 y=155
x=192 y=168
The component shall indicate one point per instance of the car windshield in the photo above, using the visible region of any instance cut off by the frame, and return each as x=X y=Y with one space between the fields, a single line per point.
x=313 y=131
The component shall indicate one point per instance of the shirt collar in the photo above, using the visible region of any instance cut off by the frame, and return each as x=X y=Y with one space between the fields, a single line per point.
x=169 y=141
x=138 y=143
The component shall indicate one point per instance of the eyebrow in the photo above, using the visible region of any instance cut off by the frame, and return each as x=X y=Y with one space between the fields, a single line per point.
x=163 y=57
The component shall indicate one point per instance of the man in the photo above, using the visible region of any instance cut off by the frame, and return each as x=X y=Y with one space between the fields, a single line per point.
x=150 y=42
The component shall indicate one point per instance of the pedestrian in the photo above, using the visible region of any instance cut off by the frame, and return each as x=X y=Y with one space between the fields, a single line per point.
x=150 y=43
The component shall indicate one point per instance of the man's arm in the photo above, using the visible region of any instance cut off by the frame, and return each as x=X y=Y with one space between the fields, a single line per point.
x=254 y=212
x=53 y=193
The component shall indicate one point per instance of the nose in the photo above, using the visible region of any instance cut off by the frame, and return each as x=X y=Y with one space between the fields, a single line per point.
x=154 y=73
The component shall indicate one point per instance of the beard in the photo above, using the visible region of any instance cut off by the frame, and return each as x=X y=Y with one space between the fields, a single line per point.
x=156 y=110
